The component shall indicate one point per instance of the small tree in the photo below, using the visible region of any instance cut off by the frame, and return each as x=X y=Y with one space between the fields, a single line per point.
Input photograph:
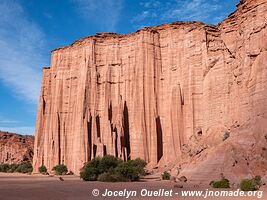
x=223 y=183
x=89 y=173
x=250 y=184
x=107 y=163
x=139 y=164
x=60 y=169
x=111 y=169
x=165 y=175
x=128 y=170
x=42 y=169
x=90 y=170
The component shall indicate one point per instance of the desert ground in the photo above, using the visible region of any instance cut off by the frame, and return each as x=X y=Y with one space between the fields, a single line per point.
x=36 y=187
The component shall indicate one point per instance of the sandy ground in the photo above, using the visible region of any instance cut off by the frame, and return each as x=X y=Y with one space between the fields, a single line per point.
x=37 y=187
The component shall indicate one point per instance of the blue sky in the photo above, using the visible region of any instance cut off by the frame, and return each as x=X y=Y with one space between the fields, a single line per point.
x=30 y=29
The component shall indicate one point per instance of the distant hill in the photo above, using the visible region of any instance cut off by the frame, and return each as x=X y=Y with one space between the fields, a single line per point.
x=15 y=148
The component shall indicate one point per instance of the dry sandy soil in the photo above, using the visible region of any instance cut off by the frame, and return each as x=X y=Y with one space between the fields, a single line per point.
x=36 y=187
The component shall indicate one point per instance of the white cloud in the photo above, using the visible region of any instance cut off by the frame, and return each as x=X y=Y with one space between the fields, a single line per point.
x=8 y=122
x=142 y=16
x=21 y=56
x=150 y=4
x=19 y=130
x=105 y=12
x=155 y=12
x=199 y=10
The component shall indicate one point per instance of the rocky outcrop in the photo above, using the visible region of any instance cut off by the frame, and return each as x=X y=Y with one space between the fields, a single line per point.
x=15 y=149
x=168 y=94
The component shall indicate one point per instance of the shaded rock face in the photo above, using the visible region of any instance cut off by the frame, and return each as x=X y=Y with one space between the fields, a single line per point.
x=15 y=149
x=166 y=94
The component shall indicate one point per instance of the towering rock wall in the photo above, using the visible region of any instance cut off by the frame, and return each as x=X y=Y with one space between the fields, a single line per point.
x=15 y=148
x=155 y=93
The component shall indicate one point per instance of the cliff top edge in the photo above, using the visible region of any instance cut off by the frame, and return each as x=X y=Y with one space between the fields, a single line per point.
x=175 y=24
x=146 y=28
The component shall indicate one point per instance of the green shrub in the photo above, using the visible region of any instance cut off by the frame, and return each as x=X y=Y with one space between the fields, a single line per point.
x=24 y=168
x=131 y=170
x=111 y=169
x=165 y=175
x=42 y=169
x=4 y=168
x=128 y=171
x=89 y=173
x=94 y=162
x=13 y=168
x=257 y=180
x=107 y=163
x=90 y=170
x=111 y=177
x=139 y=164
x=60 y=169
x=223 y=183
x=107 y=177
x=21 y=168
x=250 y=184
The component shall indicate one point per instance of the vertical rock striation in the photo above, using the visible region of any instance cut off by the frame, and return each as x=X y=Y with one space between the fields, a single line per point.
x=152 y=93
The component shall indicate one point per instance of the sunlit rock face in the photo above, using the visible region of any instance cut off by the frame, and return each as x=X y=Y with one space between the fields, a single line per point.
x=15 y=149
x=168 y=94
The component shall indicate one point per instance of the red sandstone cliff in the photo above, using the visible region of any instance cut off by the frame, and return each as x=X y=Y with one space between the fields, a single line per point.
x=15 y=148
x=167 y=94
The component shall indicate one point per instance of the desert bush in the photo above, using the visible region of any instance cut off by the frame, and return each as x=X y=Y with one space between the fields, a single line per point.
x=13 y=168
x=111 y=169
x=90 y=170
x=165 y=175
x=107 y=163
x=60 y=169
x=131 y=170
x=223 y=183
x=89 y=173
x=128 y=171
x=107 y=177
x=250 y=184
x=42 y=169
x=111 y=176
x=95 y=162
x=21 y=168
x=24 y=168
x=4 y=167
x=257 y=180
x=139 y=164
